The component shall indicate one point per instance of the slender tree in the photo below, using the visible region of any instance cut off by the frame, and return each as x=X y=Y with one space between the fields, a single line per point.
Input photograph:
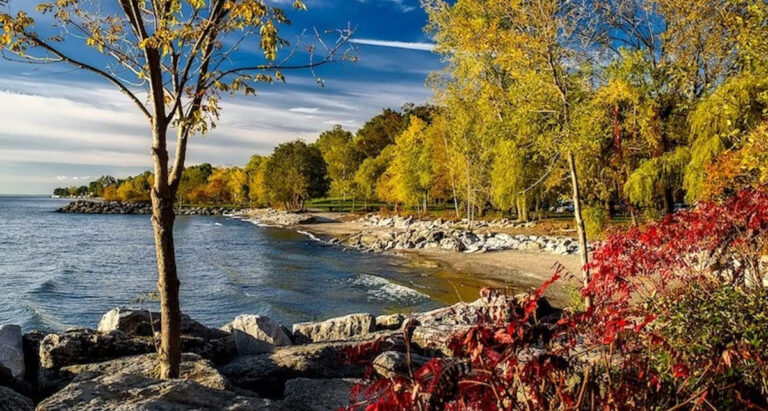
x=172 y=59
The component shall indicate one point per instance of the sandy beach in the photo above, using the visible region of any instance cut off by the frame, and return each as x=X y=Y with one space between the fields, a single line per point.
x=515 y=270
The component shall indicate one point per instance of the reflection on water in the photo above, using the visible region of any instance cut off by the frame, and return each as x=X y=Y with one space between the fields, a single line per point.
x=61 y=270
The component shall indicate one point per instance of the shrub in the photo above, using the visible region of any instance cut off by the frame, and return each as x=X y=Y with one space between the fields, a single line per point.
x=677 y=321
x=595 y=220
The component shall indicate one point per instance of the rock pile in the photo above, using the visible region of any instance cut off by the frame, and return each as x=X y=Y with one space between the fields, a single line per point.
x=280 y=218
x=118 y=207
x=375 y=220
x=409 y=233
x=251 y=363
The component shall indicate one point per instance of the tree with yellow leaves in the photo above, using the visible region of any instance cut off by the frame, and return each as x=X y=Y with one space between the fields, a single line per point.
x=183 y=54
x=525 y=54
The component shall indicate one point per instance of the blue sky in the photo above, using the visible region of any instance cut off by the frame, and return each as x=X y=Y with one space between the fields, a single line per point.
x=62 y=128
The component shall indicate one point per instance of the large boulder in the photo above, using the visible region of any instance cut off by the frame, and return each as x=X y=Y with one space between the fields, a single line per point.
x=130 y=383
x=12 y=349
x=335 y=329
x=83 y=346
x=256 y=334
x=214 y=344
x=144 y=323
x=193 y=367
x=267 y=373
x=11 y=400
x=125 y=392
x=494 y=307
x=318 y=395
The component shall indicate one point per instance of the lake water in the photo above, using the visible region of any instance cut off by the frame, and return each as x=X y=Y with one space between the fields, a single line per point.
x=63 y=270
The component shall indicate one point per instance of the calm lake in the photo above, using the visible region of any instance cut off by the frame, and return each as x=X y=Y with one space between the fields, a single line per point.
x=64 y=270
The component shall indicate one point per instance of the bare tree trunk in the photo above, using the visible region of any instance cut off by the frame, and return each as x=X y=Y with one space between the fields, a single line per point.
x=469 y=202
x=580 y=230
x=669 y=200
x=167 y=281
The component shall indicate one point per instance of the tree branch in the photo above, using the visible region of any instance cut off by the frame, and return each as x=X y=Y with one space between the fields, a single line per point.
x=90 y=68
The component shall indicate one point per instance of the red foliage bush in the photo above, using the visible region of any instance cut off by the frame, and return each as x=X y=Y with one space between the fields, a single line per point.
x=678 y=320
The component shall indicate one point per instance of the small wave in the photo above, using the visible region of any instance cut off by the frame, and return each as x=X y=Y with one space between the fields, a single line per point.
x=37 y=318
x=260 y=224
x=381 y=289
x=218 y=224
x=48 y=286
x=310 y=235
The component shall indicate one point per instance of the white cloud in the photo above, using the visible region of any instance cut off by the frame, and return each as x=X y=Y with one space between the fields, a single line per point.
x=305 y=110
x=404 y=7
x=396 y=44
x=56 y=130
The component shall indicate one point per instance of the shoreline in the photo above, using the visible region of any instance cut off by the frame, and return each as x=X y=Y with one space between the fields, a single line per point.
x=515 y=270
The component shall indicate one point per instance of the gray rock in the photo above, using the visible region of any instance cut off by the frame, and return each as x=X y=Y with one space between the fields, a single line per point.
x=457 y=314
x=437 y=339
x=256 y=334
x=266 y=373
x=11 y=400
x=12 y=349
x=83 y=346
x=123 y=392
x=392 y=364
x=193 y=367
x=335 y=329
x=318 y=395
x=137 y=323
x=211 y=343
x=389 y=322
x=31 y=341
x=9 y=381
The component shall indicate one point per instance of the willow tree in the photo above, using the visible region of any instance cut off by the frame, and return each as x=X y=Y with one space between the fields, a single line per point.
x=669 y=54
x=172 y=59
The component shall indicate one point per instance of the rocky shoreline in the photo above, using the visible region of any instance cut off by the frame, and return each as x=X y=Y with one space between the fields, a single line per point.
x=396 y=233
x=407 y=233
x=252 y=363
x=117 y=207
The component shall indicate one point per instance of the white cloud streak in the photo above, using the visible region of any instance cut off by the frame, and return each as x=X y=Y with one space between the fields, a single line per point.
x=409 y=45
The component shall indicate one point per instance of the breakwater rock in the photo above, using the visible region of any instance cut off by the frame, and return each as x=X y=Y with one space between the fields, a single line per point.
x=118 y=207
x=311 y=368
x=272 y=217
x=405 y=233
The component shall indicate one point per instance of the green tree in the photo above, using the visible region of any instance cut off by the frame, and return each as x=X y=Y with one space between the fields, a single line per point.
x=295 y=173
x=369 y=175
x=341 y=158
x=379 y=132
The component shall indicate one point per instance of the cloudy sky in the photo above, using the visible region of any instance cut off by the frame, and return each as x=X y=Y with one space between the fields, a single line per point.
x=62 y=128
